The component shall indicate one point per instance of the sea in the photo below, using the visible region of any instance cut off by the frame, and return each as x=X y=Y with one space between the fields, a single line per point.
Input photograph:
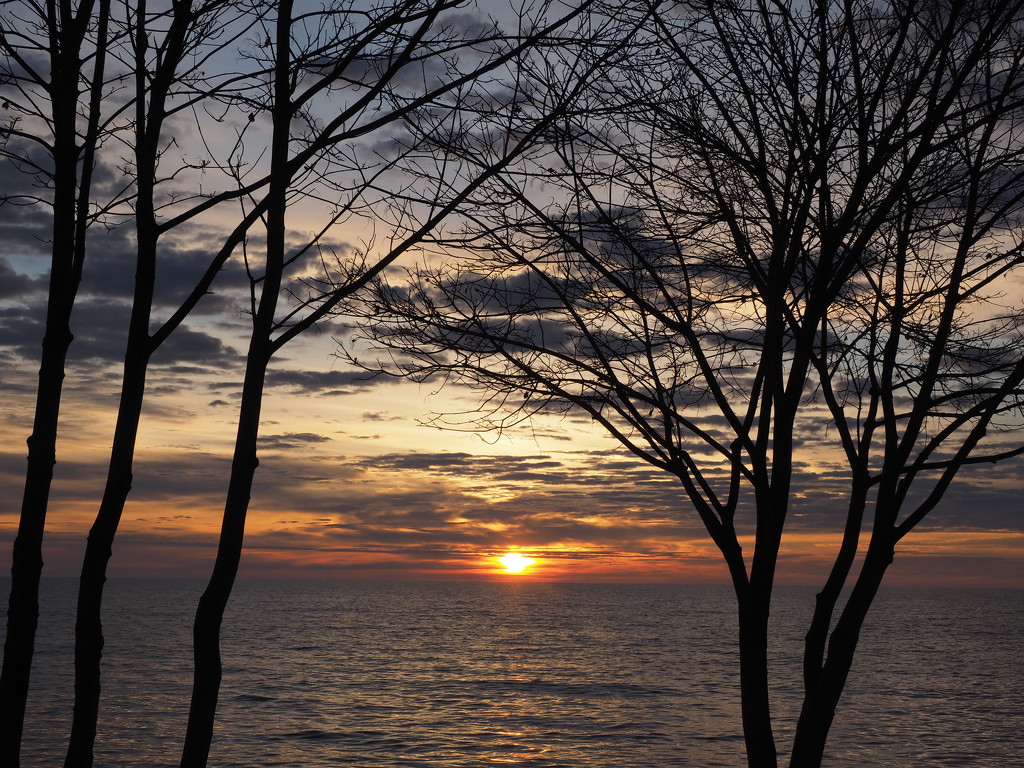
x=460 y=675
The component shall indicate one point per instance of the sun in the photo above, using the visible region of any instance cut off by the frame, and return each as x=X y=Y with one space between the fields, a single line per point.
x=515 y=562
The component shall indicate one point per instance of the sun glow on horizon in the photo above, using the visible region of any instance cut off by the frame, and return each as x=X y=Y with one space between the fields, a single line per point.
x=515 y=562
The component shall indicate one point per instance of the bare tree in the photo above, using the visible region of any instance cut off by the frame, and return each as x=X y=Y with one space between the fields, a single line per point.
x=53 y=82
x=169 y=56
x=774 y=223
x=389 y=67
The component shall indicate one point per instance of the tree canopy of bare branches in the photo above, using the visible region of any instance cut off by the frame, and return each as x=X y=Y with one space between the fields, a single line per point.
x=289 y=110
x=764 y=222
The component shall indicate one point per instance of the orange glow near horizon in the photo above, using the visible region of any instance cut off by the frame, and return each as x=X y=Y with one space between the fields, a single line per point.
x=515 y=562
x=177 y=538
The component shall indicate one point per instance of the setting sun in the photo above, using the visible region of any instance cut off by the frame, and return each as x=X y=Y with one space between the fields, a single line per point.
x=515 y=562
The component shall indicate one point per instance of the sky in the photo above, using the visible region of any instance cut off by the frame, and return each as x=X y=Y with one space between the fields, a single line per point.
x=352 y=484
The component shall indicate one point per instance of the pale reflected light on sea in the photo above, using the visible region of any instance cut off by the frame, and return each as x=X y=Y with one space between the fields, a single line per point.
x=541 y=675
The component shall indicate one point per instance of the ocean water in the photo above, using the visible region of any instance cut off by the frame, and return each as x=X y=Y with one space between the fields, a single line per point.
x=453 y=675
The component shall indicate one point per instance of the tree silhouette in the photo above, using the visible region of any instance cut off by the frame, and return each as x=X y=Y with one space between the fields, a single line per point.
x=54 y=57
x=386 y=61
x=328 y=77
x=80 y=82
x=166 y=54
x=768 y=227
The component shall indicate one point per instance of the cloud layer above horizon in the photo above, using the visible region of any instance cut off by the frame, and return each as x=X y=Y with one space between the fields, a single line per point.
x=350 y=486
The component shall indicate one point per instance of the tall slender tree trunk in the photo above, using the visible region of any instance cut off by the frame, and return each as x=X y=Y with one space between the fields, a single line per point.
x=65 y=38
x=88 y=625
x=212 y=604
x=210 y=612
x=151 y=93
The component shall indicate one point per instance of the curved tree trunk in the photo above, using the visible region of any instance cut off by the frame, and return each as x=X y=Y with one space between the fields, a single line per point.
x=88 y=624
x=210 y=613
x=820 y=702
x=151 y=94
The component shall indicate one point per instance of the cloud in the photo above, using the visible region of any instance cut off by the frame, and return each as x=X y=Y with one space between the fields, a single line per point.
x=291 y=440
x=21 y=332
x=189 y=346
x=14 y=284
x=378 y=416
x=432 y=509
x=324 y=382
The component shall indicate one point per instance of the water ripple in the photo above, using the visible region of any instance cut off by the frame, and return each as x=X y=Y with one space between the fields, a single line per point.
x=546 y=676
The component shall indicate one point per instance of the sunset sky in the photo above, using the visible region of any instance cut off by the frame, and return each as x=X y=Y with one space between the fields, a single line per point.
x=351 y=485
